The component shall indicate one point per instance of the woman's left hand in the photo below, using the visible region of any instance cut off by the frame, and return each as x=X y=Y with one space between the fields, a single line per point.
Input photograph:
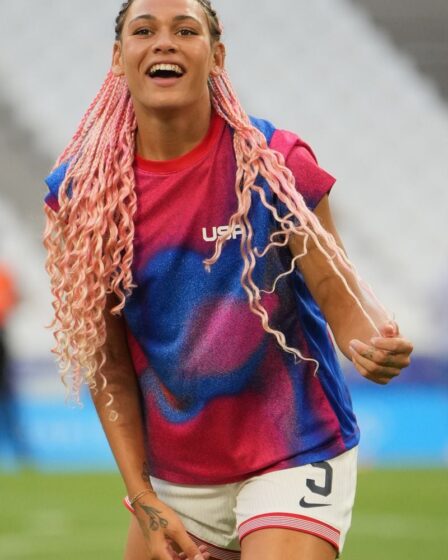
x=383 y=359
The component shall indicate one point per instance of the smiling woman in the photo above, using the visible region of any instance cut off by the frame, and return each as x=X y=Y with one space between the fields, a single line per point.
x=202 y=53
x=208 y=354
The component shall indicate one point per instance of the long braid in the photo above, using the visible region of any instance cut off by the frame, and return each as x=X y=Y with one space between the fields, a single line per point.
x=90 y=239
x=254 y=158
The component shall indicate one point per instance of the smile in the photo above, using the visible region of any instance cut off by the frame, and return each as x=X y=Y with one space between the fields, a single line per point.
x=165 y=71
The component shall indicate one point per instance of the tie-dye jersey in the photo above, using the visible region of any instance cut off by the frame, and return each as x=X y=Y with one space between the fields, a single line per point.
x=222 y=401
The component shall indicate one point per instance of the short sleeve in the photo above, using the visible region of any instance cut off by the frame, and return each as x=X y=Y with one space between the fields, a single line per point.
x=54 y=182
x=312 y=181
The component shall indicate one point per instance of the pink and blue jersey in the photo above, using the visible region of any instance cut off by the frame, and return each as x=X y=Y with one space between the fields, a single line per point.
x=222 y=401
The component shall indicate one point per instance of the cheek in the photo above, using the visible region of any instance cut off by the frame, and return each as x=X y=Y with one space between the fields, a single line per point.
x=203 y=65
x=201 y=54
x=132 y=57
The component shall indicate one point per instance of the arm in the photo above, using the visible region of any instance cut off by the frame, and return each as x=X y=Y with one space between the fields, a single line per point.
x=379 y=358
x=125 y=435
x=159 y=524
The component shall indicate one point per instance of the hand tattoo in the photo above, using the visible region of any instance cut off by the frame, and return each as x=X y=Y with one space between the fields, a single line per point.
x=155 y=520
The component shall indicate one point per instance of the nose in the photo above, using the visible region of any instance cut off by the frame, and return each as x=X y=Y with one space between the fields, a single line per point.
x=164 y=43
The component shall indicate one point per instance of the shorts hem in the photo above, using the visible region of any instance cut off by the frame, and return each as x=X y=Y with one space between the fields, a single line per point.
x=216 y=551
x=293 y=522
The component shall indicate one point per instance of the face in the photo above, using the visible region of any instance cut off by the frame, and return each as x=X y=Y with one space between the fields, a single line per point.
x=167 y=55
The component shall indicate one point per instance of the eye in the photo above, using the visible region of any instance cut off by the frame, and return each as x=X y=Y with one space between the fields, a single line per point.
x=142 y=31
x=185 y=32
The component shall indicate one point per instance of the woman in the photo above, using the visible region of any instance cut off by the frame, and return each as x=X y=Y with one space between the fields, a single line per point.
x=217 y=387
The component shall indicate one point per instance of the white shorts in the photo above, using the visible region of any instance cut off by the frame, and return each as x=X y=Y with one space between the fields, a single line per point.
x=316 y=499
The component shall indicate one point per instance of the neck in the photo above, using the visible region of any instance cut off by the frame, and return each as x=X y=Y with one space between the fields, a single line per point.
x=167 y=135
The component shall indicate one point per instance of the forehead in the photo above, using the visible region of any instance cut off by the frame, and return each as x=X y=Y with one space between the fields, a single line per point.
x=166 y=9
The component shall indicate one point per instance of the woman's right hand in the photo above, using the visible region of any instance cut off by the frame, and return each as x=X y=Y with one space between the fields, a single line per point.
x=163 y=531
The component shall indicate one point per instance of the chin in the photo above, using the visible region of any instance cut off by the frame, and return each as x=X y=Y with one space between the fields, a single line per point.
x=165 y=107
x=168 y=103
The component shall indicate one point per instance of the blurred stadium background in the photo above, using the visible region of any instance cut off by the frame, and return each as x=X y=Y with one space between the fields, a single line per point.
x=366 y=83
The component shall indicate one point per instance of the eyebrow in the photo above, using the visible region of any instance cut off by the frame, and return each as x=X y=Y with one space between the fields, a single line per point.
x=176 y=18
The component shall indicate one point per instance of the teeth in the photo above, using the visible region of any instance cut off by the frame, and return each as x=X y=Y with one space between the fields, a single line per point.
x=166 y=68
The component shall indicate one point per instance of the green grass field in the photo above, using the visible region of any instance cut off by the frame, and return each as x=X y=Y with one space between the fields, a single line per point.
x=399 y=515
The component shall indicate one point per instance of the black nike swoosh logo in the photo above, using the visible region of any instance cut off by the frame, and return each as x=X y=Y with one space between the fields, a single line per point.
x=306 y=504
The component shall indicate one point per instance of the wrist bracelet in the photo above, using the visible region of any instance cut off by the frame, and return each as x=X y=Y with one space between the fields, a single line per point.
x=141 y=494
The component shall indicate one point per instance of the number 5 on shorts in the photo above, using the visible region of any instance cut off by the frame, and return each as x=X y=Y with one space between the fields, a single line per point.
x=324 y=490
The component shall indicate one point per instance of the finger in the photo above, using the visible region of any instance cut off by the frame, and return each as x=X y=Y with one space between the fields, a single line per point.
x=376 y=370
x=163 y=553
x=369 y=352
x=163 y=550
x=205 y=554
x=174 y=554
x=365 y=373
x=172 y=549
x=380 y=357
x=202 y=548
x=387 y=368
x=191 y=550
x=393 y=345
x=390 y=329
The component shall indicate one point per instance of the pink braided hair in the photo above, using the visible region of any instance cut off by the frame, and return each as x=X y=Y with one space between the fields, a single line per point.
x=90 y=239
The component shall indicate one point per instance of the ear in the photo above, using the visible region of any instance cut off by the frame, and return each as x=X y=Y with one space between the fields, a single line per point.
x=219 y=58
x=117 y=60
